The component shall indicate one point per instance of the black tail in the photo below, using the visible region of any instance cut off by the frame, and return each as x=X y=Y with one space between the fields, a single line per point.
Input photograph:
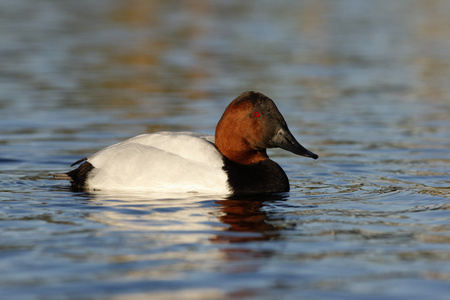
x=78 y=176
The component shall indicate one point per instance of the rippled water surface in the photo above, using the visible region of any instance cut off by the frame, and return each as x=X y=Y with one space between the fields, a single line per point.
x=365 y=84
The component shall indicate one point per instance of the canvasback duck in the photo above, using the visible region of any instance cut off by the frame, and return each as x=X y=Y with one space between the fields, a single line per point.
x=233 y=162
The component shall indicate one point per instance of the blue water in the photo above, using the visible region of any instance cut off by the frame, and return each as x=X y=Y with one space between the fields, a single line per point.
x=362 y=83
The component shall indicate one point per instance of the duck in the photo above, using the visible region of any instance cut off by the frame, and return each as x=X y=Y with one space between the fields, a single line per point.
x=234 y=161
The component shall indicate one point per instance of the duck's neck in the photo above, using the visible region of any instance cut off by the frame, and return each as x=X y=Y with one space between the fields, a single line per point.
x=245 y=157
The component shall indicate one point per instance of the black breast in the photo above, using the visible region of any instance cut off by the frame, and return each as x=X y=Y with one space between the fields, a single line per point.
x=263 y=177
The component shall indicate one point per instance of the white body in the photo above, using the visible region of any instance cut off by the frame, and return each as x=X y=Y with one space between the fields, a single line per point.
x=163 y=162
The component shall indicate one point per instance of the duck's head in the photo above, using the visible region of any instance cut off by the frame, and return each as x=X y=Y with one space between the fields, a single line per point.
x=249 y=125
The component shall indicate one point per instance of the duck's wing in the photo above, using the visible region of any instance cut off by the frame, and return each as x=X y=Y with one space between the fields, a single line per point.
x=161 y=161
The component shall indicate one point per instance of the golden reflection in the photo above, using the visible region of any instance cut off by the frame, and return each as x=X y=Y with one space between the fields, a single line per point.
x=167 y=57
x=186 y=293
x=426 y=28
x=137 y=13
x=169 y=53
x=429 y=27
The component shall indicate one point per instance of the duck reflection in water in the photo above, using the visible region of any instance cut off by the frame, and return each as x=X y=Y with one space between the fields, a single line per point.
x=246 y=219
x=241 y=228
x=249 y=227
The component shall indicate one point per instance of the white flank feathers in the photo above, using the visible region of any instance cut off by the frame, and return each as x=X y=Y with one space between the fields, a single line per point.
x=163 y=162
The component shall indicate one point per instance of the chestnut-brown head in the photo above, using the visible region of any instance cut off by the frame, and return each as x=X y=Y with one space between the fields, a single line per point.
x=250 y=124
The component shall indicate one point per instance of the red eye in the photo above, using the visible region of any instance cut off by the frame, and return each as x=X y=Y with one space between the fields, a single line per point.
x=257 y=114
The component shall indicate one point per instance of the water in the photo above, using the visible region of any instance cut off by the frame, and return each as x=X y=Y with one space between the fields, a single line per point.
x=362 y=83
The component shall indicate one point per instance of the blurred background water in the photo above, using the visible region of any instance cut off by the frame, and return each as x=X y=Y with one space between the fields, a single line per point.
x=365 y=84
